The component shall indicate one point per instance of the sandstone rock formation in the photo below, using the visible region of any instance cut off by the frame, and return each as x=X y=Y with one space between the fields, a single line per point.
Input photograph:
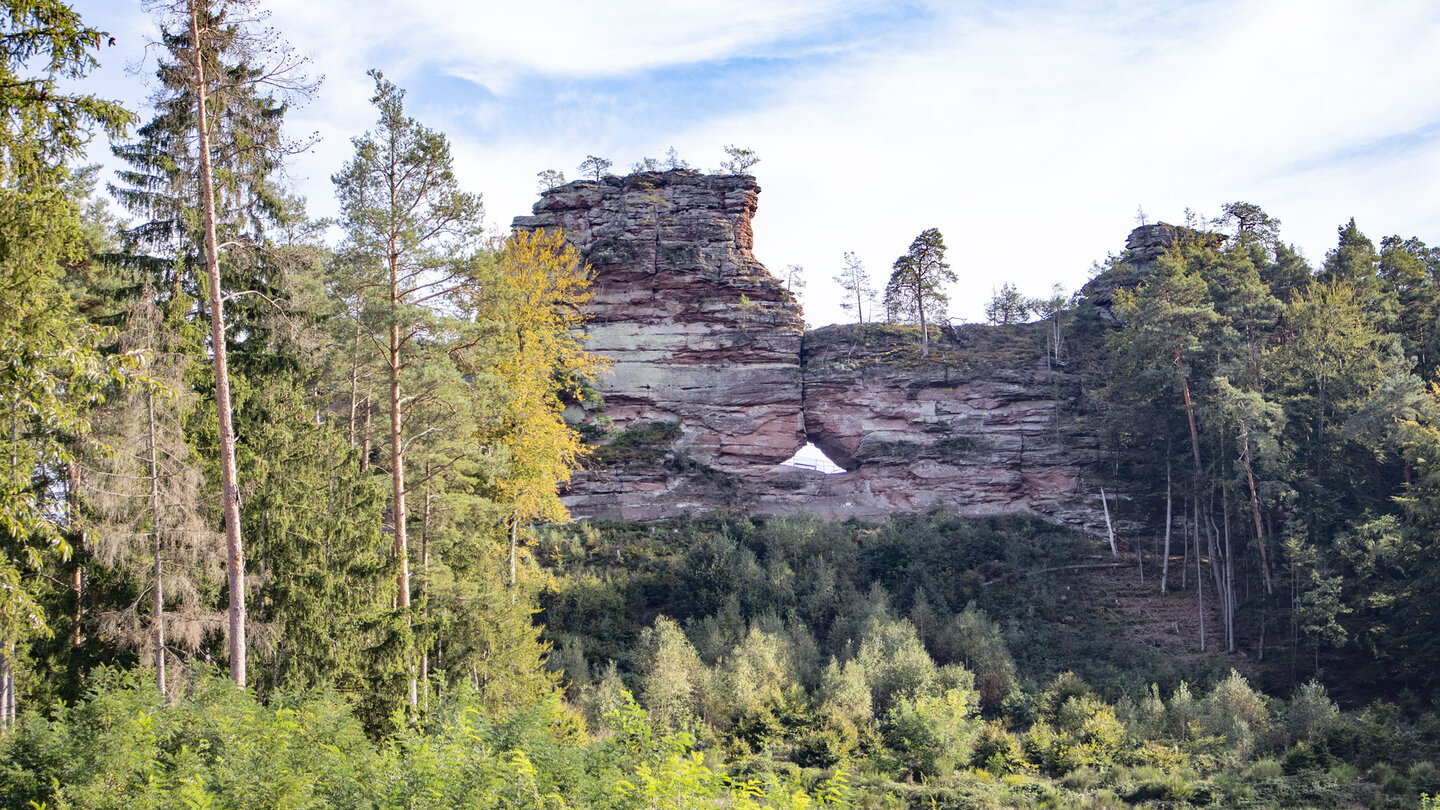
x=986 y=425
x=712 y=388
x=699 y=334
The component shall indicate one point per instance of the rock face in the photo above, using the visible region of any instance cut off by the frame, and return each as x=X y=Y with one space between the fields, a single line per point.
x=698 y=333
x=986 y=425
x=715 y=382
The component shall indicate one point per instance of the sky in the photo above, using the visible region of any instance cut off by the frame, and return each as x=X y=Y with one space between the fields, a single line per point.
x=1032 y=134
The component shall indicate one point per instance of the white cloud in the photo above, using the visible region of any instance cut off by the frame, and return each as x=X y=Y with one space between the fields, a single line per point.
x=1028 y=133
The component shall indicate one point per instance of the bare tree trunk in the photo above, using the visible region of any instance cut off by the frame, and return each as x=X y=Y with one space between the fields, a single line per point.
x=7 y=686
x=1109 y=529
x=365 y=439
x=1229 y=579
x=425 y=584
x=229 y=488
x=354 y=383
x=397 y=464
x=1199 y=575
x=157 y=541
x=924 y=332
x=1255 y=507
x=1185 y=543
x=1169 y=521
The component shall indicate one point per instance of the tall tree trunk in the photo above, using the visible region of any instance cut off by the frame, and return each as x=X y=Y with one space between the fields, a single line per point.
x=365 y=436
x=1185 y=543
x=1229 y=578
x=156 y=538
x=425 y=585
x=1169 y=520
x=1199 y=573
x=229 y=488
x=397 y=465
x=1255 y=506
x=514 y=542
x=354 y=383
x=72 y=519
x=1109 y=529
x=924 y=332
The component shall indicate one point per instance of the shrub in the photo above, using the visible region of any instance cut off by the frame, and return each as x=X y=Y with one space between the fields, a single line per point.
x=1310 y=713
x=971 y=638
x=931 y=733
x=996 y=750
x=1263 y=769
x=1153 y=784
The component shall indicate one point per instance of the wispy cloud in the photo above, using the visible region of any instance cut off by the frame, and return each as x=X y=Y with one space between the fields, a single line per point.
x=1027 y=132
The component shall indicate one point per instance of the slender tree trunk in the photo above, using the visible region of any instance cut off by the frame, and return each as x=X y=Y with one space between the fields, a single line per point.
x=72 y=519
x=425 y=584
x=354 y=383
x=1109 y=529
x=365 y=438
x=156 y=538
x=1229 y=579
x=1185 y=544
x=397 y=464
x=7 y=686
x=230 y=489
x=1199 y=575
x=924 y=332
x=514 y=542
x=7 y=656
x=859 y=313
x=1169 y=520
x=1255 y=506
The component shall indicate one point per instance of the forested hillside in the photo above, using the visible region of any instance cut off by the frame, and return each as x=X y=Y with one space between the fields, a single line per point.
x=282 y=520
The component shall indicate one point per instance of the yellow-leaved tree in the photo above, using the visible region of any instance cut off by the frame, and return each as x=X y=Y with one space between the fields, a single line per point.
x=540 y=363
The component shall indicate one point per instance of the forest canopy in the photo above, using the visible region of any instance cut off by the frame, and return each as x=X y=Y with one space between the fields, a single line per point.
x=282 y=520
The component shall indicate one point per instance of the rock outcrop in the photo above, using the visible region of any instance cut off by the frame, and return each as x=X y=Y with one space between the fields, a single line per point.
x=715 y=382
x=988 y=424
x=698 y=333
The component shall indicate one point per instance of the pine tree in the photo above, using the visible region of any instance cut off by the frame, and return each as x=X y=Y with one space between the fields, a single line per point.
x=409 y=229
x=916 y=290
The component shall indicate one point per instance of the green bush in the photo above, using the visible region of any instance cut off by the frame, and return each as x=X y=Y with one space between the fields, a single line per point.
x=996 y=750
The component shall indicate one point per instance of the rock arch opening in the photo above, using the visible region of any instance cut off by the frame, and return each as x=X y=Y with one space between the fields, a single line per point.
x=811 y=457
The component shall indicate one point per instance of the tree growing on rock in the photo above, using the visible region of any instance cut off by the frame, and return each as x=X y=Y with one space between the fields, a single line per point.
x=794 y=279
x=550 y=179
x=741 y=160
x=595 y=166
x=915 y=292
x=854 y=279
x=674 y=161
x=1007 y=306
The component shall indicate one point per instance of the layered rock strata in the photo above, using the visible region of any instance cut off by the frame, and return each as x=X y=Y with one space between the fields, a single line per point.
x=713 y=387
x=988 y=424
x=699 y=335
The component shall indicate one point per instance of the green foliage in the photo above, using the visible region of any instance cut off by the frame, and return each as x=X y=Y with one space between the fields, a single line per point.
x=915 y=292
